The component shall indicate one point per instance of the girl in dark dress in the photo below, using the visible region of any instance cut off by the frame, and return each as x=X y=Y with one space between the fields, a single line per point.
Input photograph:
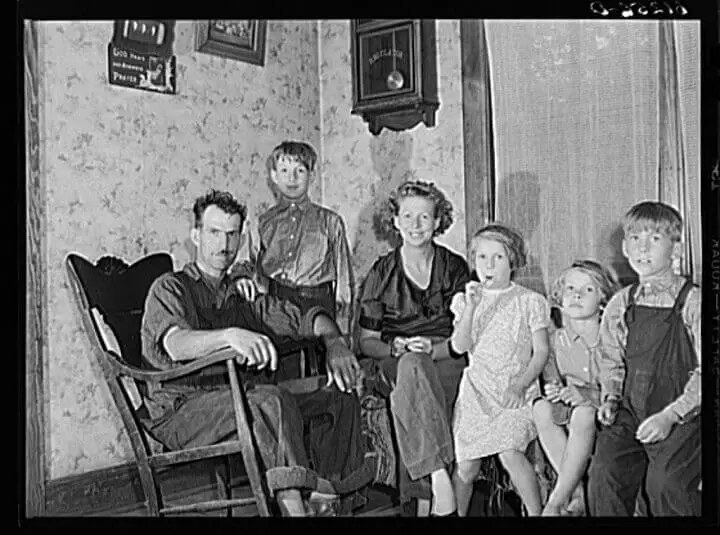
x=405 y=324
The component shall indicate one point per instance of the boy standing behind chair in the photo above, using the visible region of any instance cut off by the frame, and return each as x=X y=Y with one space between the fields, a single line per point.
x=651 y=341
x=301 y=251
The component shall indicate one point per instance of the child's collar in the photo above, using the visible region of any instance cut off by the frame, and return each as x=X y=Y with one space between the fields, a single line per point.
x=663 y=282
x=574 y=335
x=669 y=284
x=302 y=203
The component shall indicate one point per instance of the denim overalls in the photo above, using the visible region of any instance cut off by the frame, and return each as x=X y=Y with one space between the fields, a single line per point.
x=659 y=358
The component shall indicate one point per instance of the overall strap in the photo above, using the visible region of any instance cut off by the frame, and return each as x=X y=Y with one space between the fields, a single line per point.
x=630 y=309
x=190 y=285
x=184 y=276
x=682 y=296
x=631 y=294
x=214 y=374
x=188 y=282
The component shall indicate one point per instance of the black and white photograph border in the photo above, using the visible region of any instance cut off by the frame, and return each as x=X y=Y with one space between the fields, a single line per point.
x=42 y=498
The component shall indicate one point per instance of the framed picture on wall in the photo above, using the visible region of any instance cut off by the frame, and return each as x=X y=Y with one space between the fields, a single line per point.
x=241 y=40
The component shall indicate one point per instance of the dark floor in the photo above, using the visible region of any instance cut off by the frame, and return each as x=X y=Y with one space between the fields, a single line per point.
x=382 y=502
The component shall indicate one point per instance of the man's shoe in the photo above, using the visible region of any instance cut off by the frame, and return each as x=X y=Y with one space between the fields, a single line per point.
x=321 y=504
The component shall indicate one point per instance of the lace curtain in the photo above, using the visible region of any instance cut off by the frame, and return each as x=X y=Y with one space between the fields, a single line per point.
x=577 y=135
x=679 y=157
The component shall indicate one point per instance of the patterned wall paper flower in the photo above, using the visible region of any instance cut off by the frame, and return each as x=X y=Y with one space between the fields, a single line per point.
x=123 y=168
x=368 y=166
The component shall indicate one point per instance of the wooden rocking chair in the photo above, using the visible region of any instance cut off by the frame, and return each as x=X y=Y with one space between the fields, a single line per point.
x=111 y=296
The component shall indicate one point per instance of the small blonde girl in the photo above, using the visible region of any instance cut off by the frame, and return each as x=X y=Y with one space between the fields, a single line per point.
x=565 y=417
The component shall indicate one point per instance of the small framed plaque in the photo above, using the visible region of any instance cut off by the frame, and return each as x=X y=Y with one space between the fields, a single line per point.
x=241 y=40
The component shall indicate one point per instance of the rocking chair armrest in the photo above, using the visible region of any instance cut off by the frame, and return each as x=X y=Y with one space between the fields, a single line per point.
x=220 y=355
x=295 y=386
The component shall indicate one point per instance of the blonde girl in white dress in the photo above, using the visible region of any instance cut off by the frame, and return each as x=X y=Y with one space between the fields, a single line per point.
x=504 y=327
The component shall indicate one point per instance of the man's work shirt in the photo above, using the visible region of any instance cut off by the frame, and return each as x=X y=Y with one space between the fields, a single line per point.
x=191 y=300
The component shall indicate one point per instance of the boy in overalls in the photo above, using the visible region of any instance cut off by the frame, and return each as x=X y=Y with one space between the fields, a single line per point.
x=651 y=339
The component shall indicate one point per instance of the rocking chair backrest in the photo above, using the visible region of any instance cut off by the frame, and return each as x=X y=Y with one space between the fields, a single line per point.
x=118 y=291
x=111 y=294
x=111 y=298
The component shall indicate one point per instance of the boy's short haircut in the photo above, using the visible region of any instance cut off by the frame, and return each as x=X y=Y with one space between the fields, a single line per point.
x=511 y=239
x=300 y=150
x=655 y=216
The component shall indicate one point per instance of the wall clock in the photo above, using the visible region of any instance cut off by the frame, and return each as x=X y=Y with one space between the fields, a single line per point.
x=394 y=66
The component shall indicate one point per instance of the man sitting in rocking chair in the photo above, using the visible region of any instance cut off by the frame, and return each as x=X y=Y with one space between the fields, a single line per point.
x=193 y=312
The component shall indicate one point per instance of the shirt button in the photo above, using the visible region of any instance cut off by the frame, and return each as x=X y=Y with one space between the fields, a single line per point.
x=292 y=236
x=585 y=369
x=290 y=253
x=294 y=219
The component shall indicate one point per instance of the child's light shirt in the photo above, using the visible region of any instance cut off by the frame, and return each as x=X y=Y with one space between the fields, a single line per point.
x=614 y=331
x=575 y=361
x=300 y=244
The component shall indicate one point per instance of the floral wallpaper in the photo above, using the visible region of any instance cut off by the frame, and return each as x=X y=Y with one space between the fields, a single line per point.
x=359 y=170
x=122 y=168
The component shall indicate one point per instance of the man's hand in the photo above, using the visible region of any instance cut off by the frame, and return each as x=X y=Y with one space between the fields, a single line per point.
x=656 y=427
x=254 y=349
x=419 y=344
x=247 y=288
x=608 y=412
x=342 y=366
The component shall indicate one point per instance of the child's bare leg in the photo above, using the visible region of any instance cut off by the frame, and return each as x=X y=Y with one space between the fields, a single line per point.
x=522 y=474
x=577 y=455
x=423 y=507
x=442 y=490
x=552 y=436
x=463 y=480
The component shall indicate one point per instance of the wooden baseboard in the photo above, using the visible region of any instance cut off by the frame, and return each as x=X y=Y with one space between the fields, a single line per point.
x=117 y=490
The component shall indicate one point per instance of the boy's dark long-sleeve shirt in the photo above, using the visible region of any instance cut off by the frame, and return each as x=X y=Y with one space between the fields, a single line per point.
x=299 y=244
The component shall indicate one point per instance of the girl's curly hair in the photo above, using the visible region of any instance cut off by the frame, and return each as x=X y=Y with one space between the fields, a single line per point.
x=604 y=278
x=416 y=188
